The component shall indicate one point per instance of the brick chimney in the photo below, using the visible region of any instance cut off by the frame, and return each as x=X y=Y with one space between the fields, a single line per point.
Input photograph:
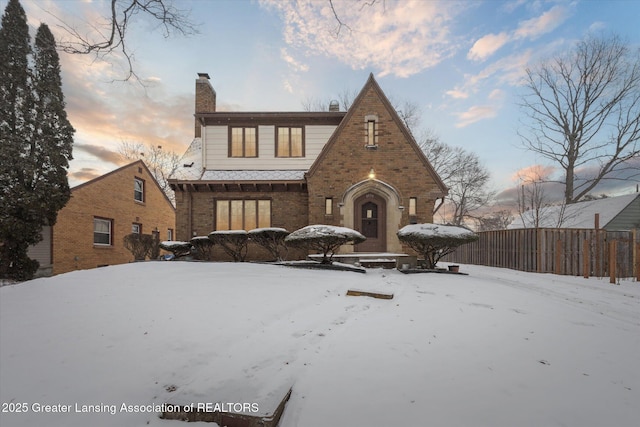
x=205 y=99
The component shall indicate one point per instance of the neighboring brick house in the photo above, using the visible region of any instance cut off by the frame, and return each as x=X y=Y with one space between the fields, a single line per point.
x=90 y=228
x=360 y=169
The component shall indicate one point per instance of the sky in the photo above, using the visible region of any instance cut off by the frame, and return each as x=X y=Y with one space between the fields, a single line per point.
x=460 y=62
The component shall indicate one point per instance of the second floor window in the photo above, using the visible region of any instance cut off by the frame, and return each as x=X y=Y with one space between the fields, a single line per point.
x=243 y=142
x=290 y=142
x=371 y=133
x=138 y=190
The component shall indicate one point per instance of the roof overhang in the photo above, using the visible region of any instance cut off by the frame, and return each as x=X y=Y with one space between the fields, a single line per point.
x=238 y=186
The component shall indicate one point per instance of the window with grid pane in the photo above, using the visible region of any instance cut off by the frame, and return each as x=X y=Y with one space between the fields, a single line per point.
x=242 y=214
x=243 y=142
x=290 y=142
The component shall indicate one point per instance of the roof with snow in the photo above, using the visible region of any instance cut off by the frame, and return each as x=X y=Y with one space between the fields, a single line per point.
x=616 y=213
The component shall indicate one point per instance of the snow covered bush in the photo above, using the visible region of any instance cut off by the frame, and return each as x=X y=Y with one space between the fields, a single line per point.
x=177 y=248
x=272 y=239
x=434 y=241
x=233 y=242
x=324 y=238
x=202 y=248
x=140 y=245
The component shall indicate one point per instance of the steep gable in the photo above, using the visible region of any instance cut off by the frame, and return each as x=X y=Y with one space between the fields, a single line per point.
x=372 y=103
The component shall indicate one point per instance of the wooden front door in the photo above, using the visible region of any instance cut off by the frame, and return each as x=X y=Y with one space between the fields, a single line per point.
x=370 y=219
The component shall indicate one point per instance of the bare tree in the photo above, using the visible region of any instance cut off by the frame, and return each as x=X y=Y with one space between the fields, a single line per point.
x=498 y=220
x=463 y=173
x=536 y=208
x=161 y=163
x=583 y=111
x=110 y=36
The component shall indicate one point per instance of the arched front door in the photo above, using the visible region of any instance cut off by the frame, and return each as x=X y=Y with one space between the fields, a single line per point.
x=370 y=211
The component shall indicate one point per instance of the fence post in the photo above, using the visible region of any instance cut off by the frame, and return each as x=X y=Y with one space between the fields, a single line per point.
x=613 y=245
x=586 y=258
x=637 y=255
x=558 y=269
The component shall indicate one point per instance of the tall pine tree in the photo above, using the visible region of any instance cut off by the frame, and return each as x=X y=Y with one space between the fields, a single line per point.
x=51 y=151
x=35 y=142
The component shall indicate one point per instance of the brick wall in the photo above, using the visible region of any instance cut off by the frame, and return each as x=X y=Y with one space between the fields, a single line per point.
x=195 y=215
x=205 y=100
x=110 y=197
x=395 y=163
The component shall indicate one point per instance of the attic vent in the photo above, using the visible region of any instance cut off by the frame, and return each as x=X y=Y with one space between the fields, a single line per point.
x=334 y=106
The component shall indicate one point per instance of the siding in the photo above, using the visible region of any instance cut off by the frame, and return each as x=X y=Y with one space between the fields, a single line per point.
x=628 y=218
x=216 y=147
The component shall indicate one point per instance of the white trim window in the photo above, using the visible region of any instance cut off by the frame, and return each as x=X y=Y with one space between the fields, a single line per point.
x=102 y=231
x=138 y=190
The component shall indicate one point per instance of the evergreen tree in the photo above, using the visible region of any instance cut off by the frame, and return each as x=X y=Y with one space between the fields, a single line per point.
x=16 y=130
x=35 y=141
x=54 y=134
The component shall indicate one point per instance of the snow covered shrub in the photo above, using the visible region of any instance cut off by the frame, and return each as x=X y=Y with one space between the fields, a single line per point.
x=433 y=241
x=177 y=248
x=202 y=248
x=234 y=242
x=140 y=245
x=272 y=239
x=324 y=238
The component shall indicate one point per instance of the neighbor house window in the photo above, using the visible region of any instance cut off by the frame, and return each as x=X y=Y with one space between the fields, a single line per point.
x=412 y=205
x=328 y=206
x=170 y=234
x=138 y=190
x=243 y=142
x=290 y=142
x=136 y=228
x=242 y=214
x=102 y=231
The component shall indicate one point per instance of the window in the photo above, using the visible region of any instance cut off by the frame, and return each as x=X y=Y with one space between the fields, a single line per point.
x=242 y=214
x=102 y=231
x=290 y=142
x=328 y=206
x=170 y=234
x=412 y=206
x=371 y=131
x=138 y=190
x=243 y=142
x=136 y=228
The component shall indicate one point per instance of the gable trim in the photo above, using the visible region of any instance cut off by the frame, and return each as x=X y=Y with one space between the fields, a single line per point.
x=371 y=83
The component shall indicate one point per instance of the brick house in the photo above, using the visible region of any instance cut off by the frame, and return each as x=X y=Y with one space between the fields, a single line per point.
x=360 y=169
x=90 y=228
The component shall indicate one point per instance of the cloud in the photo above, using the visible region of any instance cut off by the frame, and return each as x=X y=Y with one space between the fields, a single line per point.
x=84 y=174
x=398 y=37
x=487 y=46
x=101 y=153
x=533 y=173
x=545 y=23
x=475 y=114
x=530 y=29
x=457 y=94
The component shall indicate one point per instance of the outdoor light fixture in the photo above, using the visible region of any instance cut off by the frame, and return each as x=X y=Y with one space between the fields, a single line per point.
x=372 y=174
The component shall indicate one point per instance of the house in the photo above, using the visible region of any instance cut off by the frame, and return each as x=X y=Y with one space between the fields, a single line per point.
x=619 y=213
x=90 y=229
x=360 y=169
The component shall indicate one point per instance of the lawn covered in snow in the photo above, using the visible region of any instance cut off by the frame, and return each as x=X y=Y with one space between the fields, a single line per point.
x=494 y=348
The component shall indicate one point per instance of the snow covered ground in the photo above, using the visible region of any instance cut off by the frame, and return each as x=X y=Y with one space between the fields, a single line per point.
x=495 y=348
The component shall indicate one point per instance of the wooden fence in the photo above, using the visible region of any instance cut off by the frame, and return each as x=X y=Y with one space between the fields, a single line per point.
x=577 y=252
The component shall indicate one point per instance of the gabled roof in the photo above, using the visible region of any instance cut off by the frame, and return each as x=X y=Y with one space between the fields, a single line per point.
x=120 y=169
x=373 y=84
x=577 y=215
